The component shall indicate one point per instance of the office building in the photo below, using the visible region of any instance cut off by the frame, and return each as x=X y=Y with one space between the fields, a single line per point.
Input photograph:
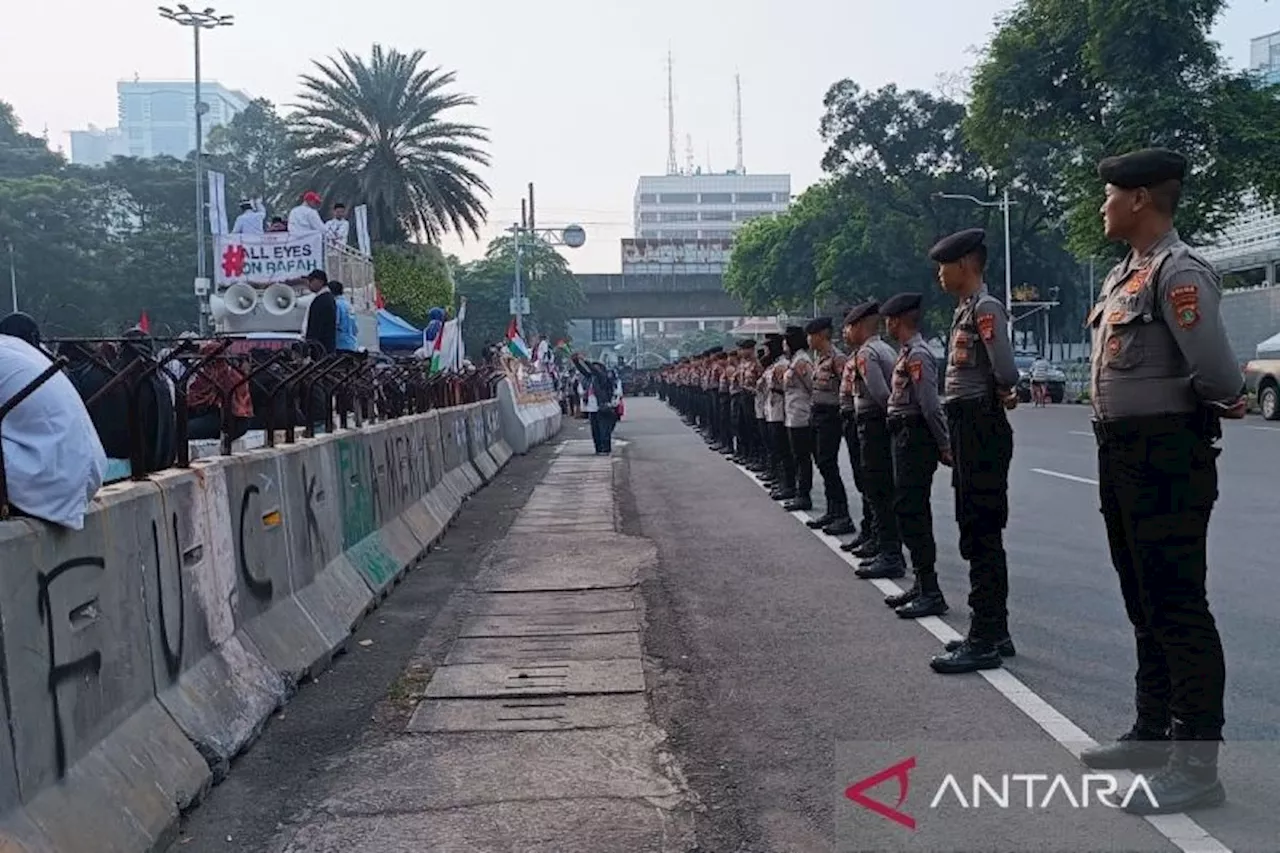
x=1264 y=57
x=95 y=146
x=709 y=207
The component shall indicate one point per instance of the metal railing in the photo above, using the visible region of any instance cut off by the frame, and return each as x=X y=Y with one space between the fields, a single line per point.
x=291 y=387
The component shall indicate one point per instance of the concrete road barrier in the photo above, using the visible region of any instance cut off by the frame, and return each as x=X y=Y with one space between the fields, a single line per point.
x=141 y=655
x=526 y=425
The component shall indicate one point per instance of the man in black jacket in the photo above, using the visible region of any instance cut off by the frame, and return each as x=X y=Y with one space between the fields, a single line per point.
x=322 y=315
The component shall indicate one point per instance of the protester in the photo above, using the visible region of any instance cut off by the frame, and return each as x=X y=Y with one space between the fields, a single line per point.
x=305 y=217
x=50 y=424
x=338 y=228
x=22 y=327
x=277 y=225
x=602 y=403
x=347 y=333
x=250 y=220
x=217 y=381
x=322 y=313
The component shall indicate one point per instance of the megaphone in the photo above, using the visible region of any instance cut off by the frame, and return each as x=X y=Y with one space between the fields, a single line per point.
x=239 y=299
x=279 y=299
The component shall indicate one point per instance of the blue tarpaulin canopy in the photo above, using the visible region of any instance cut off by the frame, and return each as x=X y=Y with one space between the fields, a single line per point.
x=396 y=333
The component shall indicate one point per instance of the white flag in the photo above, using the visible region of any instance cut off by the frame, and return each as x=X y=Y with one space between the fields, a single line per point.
x=362 y=230
x=217 y=203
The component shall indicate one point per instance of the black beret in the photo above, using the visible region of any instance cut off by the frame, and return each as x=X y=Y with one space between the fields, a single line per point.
x=1144 y=168
x=715 y=350
x=792 y=331
x=861 y=312
x=948 y=250
x=746 y=343
x=818 y=324
x=900 y=303
x=795 y=338
x=773 y=336
x=774 y=343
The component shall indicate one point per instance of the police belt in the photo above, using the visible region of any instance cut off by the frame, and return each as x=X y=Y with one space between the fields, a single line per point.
x=901 y=422
x=1203 y=423
x=986 y=404
x=823 y=408
x=872 y=416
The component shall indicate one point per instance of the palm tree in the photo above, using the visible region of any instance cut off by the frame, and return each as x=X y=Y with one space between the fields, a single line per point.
x=376 y=133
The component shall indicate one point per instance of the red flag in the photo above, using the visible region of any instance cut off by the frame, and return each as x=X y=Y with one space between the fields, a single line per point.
x=378 y=301
x=513 y=331
x=144 y=323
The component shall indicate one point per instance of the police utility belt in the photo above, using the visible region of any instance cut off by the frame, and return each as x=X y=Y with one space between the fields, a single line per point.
x=985 y=404
x=1204 y=423
x=906 y=421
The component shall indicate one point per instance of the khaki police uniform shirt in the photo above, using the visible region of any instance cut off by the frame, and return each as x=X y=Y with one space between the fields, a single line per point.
x=761 y=393
x=980 y=360
x=798 y=385
x=873 y=377
x=723 y=376
x=775 y=378
x=914 y=389
x=826 y=378
x=1159 y=344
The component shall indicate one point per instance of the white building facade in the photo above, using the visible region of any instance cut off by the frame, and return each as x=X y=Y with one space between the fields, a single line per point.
x=1264 y=57
x=95 y=146
x=705 y=206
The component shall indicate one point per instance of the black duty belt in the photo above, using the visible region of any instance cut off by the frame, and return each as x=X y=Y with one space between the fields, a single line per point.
x=871 y=417
x=823 y=407
x=904 y=421
x=972 y=405
x=1122 y=429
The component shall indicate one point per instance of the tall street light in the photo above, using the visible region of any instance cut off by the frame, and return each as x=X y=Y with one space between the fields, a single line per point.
x=206 y=19
x=1003 y=204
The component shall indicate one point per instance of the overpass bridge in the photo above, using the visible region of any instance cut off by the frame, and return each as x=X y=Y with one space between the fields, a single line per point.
x=683 y=295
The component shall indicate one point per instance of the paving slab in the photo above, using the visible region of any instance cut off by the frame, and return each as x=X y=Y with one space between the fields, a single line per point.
x=564 y=563
x=421 y=772
x=480 y=680
x=554 y=649
x=580 y=826
x=550 y=624
x=551 y=713
x=587 y=601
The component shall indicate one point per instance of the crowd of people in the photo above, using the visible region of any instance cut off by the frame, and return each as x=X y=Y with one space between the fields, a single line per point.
x=1162 y=377
x=303 y=218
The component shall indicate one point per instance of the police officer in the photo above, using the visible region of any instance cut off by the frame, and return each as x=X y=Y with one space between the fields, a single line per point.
x=872 y=378
x=1162 y=376
x=775 y=414
x=798 y=395
x=919 y=442
x=744 y=419
x=981 y=382
x=763 y=468
x=862 y=540
x=825 y=418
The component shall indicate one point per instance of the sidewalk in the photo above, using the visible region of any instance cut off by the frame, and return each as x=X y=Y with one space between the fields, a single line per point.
x=535 y=735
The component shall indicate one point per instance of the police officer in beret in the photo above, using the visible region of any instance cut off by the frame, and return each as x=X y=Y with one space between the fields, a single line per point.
x=763 y=460
x=919 y=442
x=872 y=377
x=981 y=382
x=775 y=414
x=798 y=394
x=744 y=416
x=827 y=435
x=1162 y=376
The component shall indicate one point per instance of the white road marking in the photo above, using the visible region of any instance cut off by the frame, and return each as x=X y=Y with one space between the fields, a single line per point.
x=1081 y=432
x=1061 y=476
x=1264 y=428
x=1179 y=829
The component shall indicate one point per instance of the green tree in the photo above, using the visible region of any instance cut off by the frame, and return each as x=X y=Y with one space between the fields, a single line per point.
x=413 y=279
x=378 y=132
x=1064 y=83
x=256 y=153
x=21 y=154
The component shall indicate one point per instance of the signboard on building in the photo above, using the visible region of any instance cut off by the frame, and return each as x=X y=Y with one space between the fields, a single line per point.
x=674 y=252
x=266 y=258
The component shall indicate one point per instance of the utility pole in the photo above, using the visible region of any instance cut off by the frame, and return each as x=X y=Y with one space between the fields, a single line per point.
x=1004 y=204
x=13 y=277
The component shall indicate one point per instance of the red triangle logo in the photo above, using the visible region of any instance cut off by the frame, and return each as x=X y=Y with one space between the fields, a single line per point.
x=857 y=792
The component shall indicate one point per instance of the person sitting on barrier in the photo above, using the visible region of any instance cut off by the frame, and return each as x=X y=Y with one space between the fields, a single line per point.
x=49 y=426
x=218 y=380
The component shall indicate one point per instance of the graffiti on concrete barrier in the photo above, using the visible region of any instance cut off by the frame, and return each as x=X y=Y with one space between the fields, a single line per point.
x=172 y=653
x=313 y=494
x=80 y=616
x=357 y=504
x=259 y=587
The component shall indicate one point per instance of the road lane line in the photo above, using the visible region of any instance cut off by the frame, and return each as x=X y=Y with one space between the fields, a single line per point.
x=1080 y=432
x=1179 y=829
x=1264 y=429
x=1061 y=476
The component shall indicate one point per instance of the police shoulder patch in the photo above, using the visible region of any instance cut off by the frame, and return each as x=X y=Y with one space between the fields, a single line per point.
x=862 y=365
x=916 y=368
x=987 y=326
x=1185 y=299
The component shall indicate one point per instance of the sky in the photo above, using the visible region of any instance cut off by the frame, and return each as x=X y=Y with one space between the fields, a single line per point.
x=573 y=94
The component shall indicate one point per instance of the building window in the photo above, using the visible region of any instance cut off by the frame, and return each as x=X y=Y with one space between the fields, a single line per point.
x=678 y=198
x=755 y=198
x=680 y=216
x=648 y=217
x=678 y=326
x=717 y=216
x=650 y=327
x=748 y=215
x=650 y=234
x=715 y=234
x=604 y=331
x=717 y=198
x=648 y=198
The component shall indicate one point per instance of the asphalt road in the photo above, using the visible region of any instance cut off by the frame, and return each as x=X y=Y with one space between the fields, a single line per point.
x=781 y=672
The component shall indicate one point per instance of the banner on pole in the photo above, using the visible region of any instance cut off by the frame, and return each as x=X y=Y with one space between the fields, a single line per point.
x=362 y=230
x=217 y=203
x=267 y=258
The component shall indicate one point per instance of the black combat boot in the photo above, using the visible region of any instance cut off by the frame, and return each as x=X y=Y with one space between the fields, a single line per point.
x=971 y=656
x=782 y=493
x=799 y=503
x=1004 y=646
x=822 y=520
x=928 y=603
x=902 y=598
x=888 y=565
x=1141 y=748
x=1189 y=781
x=857 y=541
x=841 y=525
x=867 y=550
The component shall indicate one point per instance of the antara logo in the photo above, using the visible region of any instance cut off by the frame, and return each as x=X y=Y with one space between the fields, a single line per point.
x=1041 y=791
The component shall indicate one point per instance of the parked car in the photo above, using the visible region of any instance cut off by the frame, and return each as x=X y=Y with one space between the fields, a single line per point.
x=1057 y=380
x=1262 y=378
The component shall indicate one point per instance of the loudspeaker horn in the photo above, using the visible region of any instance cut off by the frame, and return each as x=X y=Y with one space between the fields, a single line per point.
x=240 y=299
x=279 y=299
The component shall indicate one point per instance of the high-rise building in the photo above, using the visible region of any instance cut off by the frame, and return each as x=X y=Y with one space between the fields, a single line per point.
x=1264 y=57
x=95 y=146
x=157 y=117
x=706 y=206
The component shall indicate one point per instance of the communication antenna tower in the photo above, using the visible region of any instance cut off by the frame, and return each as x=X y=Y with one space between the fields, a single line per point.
x=672 y=167
x=737 y=83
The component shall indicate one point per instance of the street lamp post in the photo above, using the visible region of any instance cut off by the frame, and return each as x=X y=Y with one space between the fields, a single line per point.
x=1003 y=204
x=573 y=236
x=206 y=19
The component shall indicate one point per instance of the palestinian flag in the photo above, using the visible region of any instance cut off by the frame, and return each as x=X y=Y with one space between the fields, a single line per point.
x=515 y=343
